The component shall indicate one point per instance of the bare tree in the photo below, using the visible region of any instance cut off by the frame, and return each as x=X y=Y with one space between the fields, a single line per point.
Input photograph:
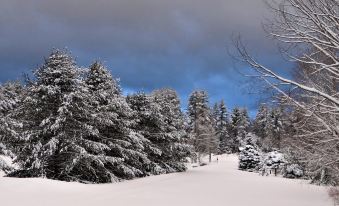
x=308 y=30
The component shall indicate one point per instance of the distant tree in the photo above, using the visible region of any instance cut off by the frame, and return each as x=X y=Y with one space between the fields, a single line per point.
x=273 y=129
x=268 y=125
x=221 y=126
x=239 y=127
x=202 y=124
x=260 y=121
x=243 y=123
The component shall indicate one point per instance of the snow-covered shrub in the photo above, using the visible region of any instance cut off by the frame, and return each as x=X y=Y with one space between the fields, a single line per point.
x=249 y=158
x=272 y=162
x=293 y=171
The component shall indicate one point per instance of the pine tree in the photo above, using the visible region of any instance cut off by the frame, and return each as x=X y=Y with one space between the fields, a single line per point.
x=149 y=124
x=57 y=120
x=273 y=130
x=201 y=124
x=243 y=124
x=10 y=97
x=174 y=141
x=268 y=126
x=239 y=127
x=215 y=114
x=113 y=118
x=260 y=122
x=221 y=126
x=235 y=119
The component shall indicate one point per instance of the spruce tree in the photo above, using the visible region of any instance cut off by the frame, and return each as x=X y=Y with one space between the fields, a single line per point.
x=173 y=141
x=239 y=127
x=222 y=129
x=220 y=117
x=149 y=124
x=202 y=124
x=10 y=97
x=243 y=124
x=268 y=126
x=113 y=119
x=260 y=121
x=57 y=120
x=273 y=130
x=235 y=121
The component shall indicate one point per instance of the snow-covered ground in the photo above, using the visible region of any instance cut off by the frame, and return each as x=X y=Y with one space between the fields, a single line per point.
x=217 y=184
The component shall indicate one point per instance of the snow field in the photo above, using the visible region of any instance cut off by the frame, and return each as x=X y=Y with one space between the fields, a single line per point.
x=213 y=185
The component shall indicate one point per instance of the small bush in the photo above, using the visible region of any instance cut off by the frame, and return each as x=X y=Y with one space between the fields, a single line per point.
x=272 y=162
x=293 y=171
x=249 y=158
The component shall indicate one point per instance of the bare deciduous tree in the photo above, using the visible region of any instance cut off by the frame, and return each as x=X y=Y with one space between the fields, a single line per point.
x=309 y=32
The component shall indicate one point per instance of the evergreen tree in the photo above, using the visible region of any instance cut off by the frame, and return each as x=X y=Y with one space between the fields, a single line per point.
x=243 y=124
x=273 y=130
x=57 y=120
x=268 y=126
x=239 y=127
x=235 y=121
x=149 y=124
x=260 y=122
x=201 y=124
x=221 y=126
x=10 y=97
x=215 y=114
x=113 y=118
x=174 y=141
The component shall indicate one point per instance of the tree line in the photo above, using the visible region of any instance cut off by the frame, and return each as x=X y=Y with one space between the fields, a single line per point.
x=74 y=124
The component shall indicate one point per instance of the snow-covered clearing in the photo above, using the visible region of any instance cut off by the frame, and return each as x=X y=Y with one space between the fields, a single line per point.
x=217 y=184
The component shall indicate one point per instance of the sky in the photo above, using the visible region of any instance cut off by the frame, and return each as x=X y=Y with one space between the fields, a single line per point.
x=148 y=44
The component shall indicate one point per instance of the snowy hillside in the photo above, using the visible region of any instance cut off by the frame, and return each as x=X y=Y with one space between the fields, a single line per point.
x=217 y=184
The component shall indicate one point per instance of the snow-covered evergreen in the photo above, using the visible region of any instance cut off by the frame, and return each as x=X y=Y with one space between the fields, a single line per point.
x=174 y=140
x=57 y=121
x=249 y=158
x=293 y=171
x=158 y=119
x=268 y=125
x=272 y=163
x=202 y=124
x=10 y=98
x=148 y=123
x=122 y=147
x=239 y=126
x=260 y=121
x=220 y=116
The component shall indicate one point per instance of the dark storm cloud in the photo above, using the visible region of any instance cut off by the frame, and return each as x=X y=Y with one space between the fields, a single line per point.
x=147 y=43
